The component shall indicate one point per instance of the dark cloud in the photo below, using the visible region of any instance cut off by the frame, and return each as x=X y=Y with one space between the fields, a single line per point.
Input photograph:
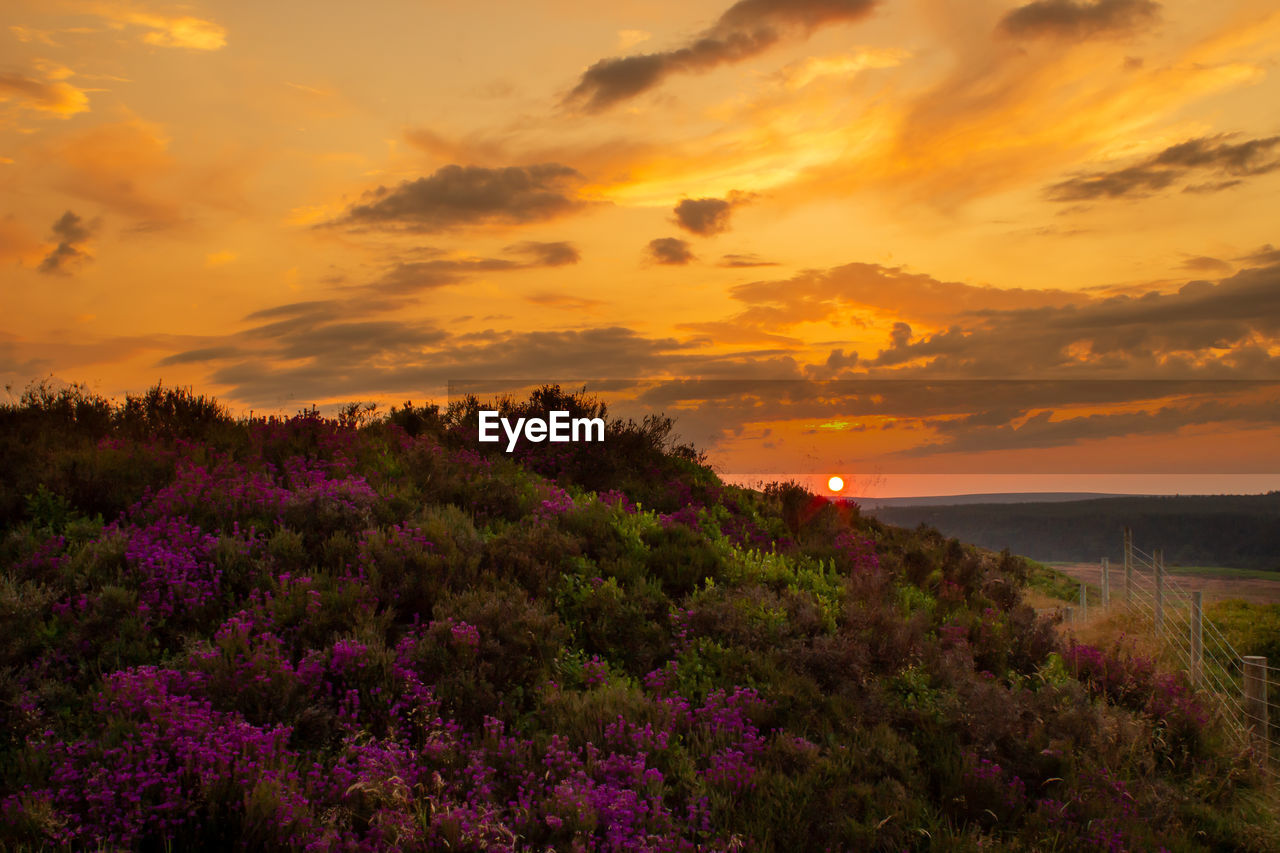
x=1212 y=186
x=1203 y=329
x=306 y=352
x=411 y=277
x=1019 y=429
x=971 y=416
x=704 y=216
x=408 y=277
x=70 y=228
x=293 y=309
x=1207 y=154
x=745 y=260
x=564 y=300
x=1204 y=263
x=71 y=232
x=838 y=364
x=900 y=337
x=1071 y=19
x=839 y=359
x=843 y=293
x=952 y=329
x=746 y=29
x=396 y=357
x=556 y=254
x=357 y=341
x=1264 y=256
x=1133 y=181
x=455 y=196
x=670 y=251
x=1253 y=157
x=203 y=354
x=329 y=337
x=983 y=383
x=983 y=402
x=326 y=357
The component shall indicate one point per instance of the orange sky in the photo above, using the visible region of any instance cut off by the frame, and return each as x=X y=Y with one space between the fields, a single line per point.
x=290 y=203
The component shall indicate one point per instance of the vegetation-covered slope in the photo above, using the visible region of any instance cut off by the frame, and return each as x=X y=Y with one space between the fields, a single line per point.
x=367 y=633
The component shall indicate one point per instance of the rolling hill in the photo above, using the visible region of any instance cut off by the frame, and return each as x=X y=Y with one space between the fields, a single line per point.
x=1241 y=531
x=370 y=632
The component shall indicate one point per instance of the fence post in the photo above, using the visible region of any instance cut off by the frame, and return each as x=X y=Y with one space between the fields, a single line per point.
x=1106 y=583
x=1128 y=564
x=1159 y=561
x=1084 y=602
x=1069 y=615
x=1197 y=638
x=1255 y=702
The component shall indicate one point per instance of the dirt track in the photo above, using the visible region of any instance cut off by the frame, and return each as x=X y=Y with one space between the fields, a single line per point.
x=1214 y=588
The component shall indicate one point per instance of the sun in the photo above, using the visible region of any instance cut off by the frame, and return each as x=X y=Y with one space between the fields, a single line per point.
x=835 y=484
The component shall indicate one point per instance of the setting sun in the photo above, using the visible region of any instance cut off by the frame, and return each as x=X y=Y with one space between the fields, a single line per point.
x=835 y=484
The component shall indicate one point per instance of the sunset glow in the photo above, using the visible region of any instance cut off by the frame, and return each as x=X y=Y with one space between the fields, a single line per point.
x=291 y=203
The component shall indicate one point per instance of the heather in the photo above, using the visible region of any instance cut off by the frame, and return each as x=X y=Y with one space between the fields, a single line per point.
x=372 y=632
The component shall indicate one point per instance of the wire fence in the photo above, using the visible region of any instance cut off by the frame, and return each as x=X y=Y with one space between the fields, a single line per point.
x=1243 y=690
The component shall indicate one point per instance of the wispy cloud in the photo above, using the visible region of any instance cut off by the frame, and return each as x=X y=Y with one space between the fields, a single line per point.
x=122 y=166
x=1225 y=329
x=556 y=253
x=745 y=260
x=178 y=31
x=746 y=29
x=843 y=291
x=1229 y=163
x=405 y=278
x=49 y=93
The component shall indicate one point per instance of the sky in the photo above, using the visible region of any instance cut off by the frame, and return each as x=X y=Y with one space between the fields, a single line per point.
x=930 y=246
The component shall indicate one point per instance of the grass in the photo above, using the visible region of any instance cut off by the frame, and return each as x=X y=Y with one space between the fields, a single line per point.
x=1223 y=572
x=1058 y=586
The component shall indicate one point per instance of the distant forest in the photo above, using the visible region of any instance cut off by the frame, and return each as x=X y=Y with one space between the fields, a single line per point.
x=1240 y=531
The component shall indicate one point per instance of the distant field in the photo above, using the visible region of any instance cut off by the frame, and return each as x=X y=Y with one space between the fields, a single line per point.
x=1225 y=572
x=1217 y=583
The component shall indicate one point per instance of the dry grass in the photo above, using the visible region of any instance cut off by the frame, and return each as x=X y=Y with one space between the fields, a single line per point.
x=1118 y=623
x=1214 y=586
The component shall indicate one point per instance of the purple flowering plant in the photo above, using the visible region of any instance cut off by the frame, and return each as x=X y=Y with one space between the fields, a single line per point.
x=358 y=633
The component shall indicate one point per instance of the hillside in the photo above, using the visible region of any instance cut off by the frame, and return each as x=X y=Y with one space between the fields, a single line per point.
x=1241 y=531
x=981 y=498
x=367 y=632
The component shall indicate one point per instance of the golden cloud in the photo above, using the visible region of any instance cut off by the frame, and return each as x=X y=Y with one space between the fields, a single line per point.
x=50 y=93
x=180 y=31
x=119 y=166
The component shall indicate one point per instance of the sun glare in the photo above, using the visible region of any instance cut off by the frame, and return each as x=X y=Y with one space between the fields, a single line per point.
x=835 y=484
